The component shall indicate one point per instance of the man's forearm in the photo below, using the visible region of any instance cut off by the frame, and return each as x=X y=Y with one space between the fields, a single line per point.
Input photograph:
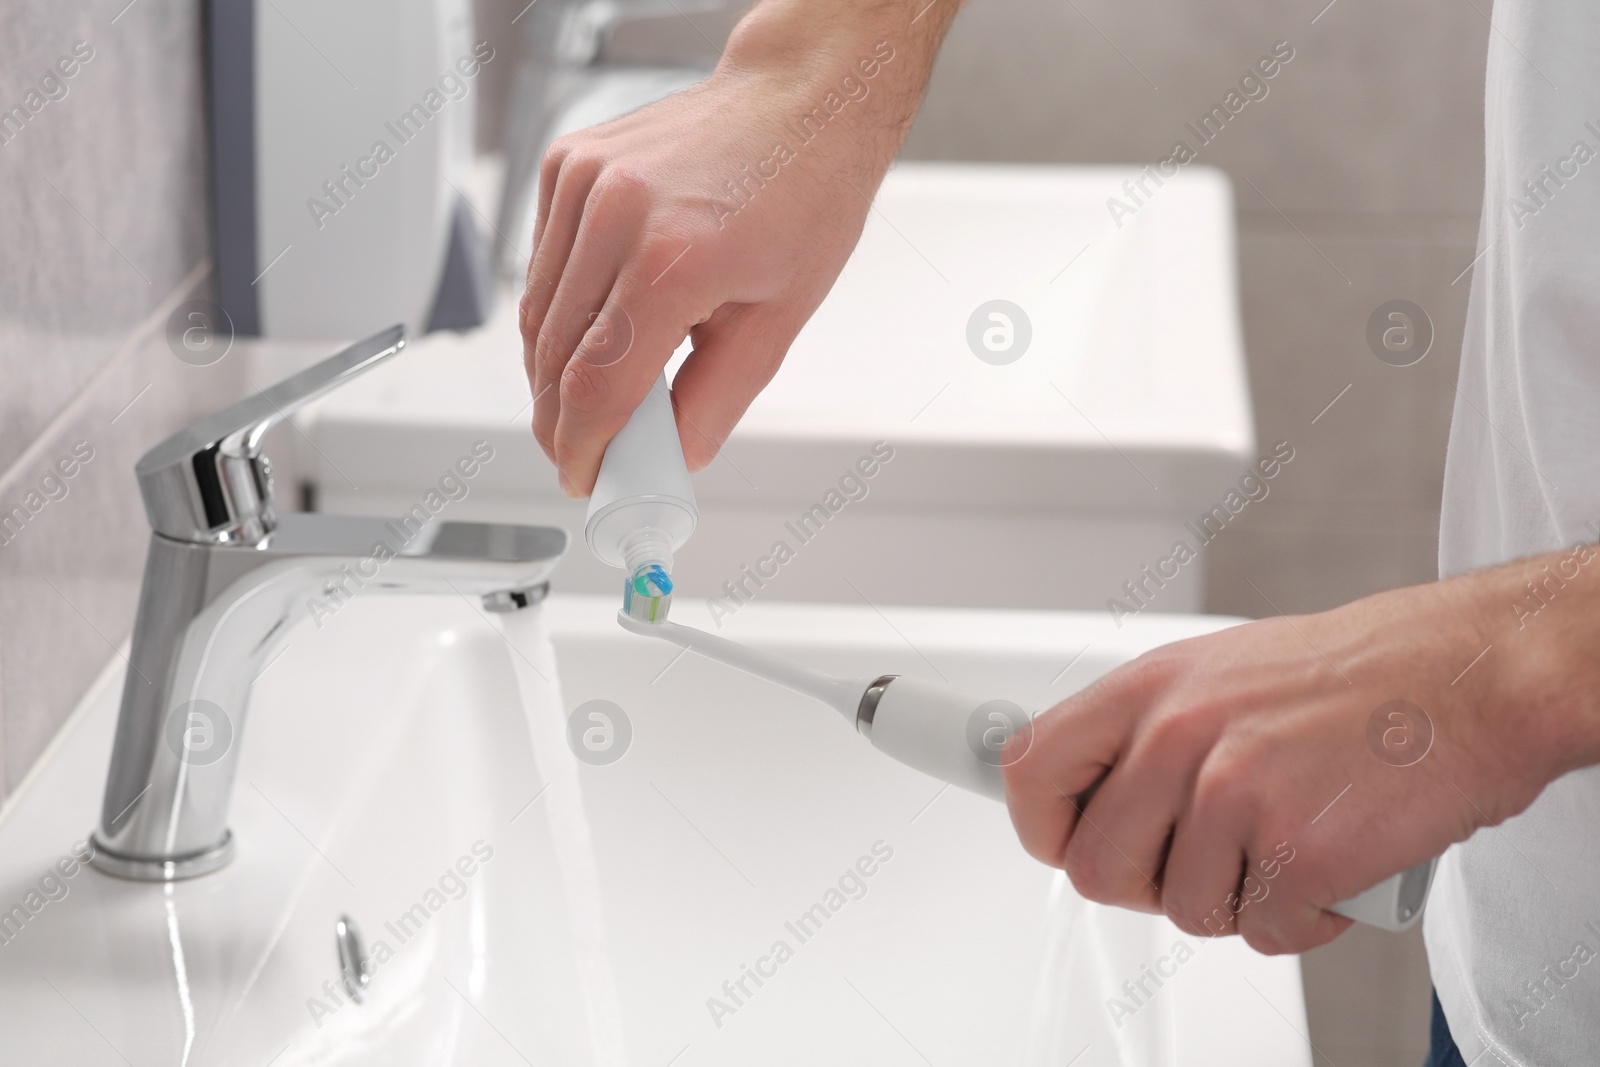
x=874 y=54
x=1542 y=623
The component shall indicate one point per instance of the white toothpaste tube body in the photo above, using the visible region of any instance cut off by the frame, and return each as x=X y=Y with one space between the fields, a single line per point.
x=643 y=509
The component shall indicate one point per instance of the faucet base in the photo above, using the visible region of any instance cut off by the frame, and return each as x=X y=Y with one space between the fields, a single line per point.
x=151 y=870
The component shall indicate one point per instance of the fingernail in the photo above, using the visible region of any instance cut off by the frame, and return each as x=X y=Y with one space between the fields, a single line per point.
x=566 y=486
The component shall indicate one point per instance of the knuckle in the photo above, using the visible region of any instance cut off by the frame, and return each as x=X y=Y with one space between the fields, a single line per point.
x=1158 y=666
x=1214 y=791
x=618 y=187
x=1041 y=847
x=1043 y=831
x=549 y=355
x=1091 y=873
x=528 y=318
x=1266 y=941
x=662 y=257
x=1184 y=923
x=606 y=336
x=1223 y=788
x=1200 y=918
x=1191 y=921
x=1146 y=676
x=1173 y=734
x=557 y=155
x=561 y=147
x=585 y=387
x=570 y=174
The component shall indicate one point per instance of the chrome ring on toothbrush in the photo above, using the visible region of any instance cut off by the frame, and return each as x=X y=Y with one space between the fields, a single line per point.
x=869 y=704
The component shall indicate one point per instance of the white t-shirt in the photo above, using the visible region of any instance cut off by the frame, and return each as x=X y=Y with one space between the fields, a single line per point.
x=1513 y=923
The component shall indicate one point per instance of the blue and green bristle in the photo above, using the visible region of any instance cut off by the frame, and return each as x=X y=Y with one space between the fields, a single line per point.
x=648 y=594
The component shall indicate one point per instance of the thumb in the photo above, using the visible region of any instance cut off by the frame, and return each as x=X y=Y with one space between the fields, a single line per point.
x=736 y=353
x=1071 y=748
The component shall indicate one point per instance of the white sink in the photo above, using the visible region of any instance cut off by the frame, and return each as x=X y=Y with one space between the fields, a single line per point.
x=383 y=747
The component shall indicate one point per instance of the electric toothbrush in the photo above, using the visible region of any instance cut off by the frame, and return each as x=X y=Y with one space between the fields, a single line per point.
x=957 y=738
x=643 y=510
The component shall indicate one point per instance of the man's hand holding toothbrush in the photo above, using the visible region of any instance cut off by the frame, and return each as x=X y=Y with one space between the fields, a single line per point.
x=1210 y=754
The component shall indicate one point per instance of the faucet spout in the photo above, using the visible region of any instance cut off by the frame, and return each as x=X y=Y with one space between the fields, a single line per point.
x=226 y=580
x=211 y=618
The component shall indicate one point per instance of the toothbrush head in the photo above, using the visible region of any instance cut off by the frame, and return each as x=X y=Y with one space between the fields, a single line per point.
x=840 y=695
x=647 y=595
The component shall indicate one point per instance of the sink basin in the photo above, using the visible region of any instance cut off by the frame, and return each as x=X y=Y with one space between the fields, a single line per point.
x=357 y=791
x=388 y=776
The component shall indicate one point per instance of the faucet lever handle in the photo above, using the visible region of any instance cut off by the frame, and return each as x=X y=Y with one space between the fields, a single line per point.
x=210 y=484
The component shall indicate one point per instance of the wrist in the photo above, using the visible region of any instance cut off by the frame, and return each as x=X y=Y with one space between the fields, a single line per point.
x=787 y=32
x=875 y=55
x=1544 y=615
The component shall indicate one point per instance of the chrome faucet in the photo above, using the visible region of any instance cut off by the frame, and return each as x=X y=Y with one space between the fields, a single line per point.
x=225 y=581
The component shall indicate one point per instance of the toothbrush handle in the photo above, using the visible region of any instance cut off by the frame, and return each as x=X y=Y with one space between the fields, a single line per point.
x=929 y=727
x=958 y=738
x=1393 y=904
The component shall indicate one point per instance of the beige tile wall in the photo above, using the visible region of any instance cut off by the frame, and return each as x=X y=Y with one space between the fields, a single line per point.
x=103 y=232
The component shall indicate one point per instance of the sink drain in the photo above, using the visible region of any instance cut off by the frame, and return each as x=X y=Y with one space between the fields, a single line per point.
x=354 y=968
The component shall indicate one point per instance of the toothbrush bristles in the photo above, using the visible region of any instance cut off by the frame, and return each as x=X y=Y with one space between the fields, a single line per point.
x=648 y=596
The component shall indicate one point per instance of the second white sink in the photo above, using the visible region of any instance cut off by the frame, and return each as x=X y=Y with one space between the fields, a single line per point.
x=1046 y=482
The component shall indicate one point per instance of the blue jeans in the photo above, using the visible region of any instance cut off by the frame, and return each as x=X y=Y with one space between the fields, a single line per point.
x=1442 y=1051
